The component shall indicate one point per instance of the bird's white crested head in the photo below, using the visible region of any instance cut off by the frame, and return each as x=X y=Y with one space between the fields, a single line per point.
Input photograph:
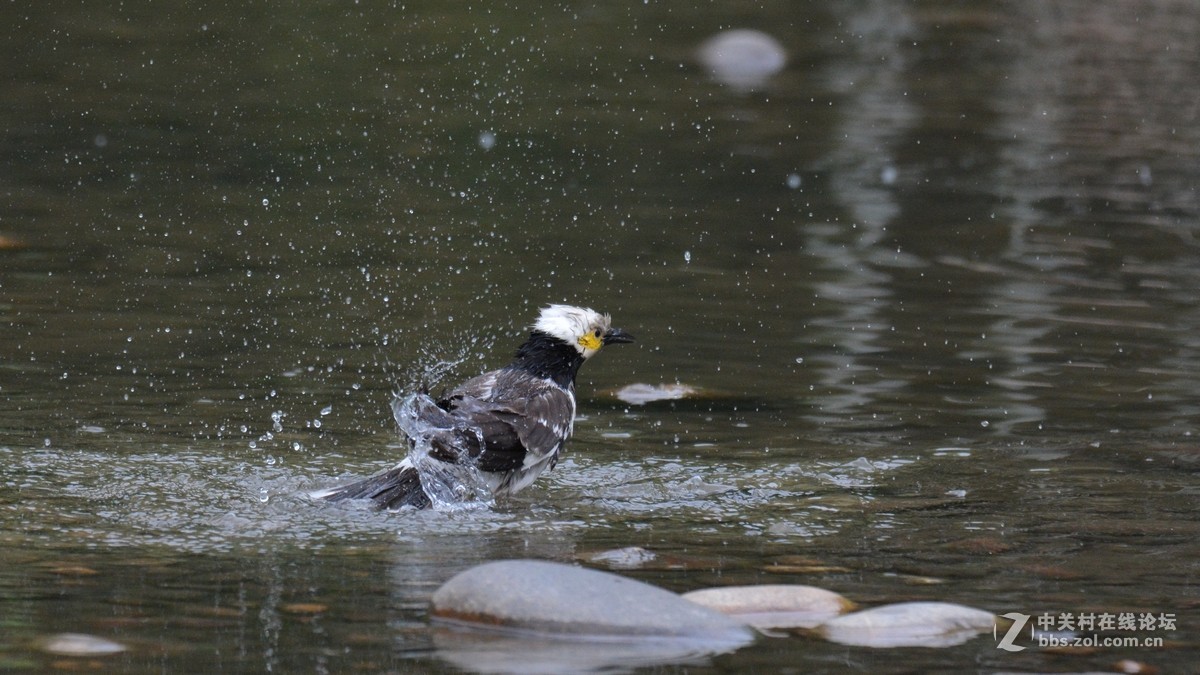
x=584 y=329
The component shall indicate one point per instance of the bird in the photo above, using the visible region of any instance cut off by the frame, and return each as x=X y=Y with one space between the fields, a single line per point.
x=501 y=429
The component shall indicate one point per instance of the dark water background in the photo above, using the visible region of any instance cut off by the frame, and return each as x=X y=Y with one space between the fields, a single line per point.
x=938 y=281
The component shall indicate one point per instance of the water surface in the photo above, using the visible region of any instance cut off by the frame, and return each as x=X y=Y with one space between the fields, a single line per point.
x=936 y=283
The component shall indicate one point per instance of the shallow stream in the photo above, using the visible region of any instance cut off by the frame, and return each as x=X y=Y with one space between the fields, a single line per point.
x=935 y=284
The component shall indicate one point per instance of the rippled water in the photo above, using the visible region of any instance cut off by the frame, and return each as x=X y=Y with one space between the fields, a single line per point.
x=934 y=286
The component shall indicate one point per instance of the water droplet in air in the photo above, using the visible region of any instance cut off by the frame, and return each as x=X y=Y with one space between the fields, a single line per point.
x=487 y=140
x=794 y=181
x=687 y=257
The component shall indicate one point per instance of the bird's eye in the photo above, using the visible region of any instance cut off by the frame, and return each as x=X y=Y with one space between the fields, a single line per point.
x=596 y=332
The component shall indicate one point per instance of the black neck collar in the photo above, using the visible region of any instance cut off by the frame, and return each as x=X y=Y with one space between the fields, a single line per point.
x=546 y=356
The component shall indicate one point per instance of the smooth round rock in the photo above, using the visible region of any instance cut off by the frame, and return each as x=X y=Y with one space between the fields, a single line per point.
x=742 y=58
x=773 y=605
x=909 y=624
x=561 y=600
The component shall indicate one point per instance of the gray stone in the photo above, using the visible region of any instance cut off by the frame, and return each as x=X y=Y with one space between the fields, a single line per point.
x=742 y=58
x=552 y=599
x=909 y=624
x=628 y=558
x=773 y=605
x=79 y=644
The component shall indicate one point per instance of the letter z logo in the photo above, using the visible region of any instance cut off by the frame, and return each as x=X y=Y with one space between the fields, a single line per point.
x=1018 y=622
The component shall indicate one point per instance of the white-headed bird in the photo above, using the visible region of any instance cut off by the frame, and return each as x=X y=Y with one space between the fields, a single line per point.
x=504 y=427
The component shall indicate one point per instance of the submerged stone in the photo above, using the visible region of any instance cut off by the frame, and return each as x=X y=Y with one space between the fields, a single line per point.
x=79 y=644
x=555 y=600
x=774 y=605
x=628 y=558
x=909 y=624
x=641 y=394
x=512 y=653
x=742 y=58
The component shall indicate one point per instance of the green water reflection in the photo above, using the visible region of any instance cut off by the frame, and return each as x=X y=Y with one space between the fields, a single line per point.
x=937 y=282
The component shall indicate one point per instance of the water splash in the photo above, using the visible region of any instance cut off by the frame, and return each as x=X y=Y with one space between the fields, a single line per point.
x=456 y=485
x=438 y=360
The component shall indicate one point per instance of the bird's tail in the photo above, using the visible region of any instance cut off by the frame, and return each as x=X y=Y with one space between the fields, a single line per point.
x=393 y=489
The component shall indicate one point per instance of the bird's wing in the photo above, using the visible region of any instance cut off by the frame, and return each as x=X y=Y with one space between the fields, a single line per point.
x=481 y=387
x=545 y=422
x=521 y=420
x=501 y=448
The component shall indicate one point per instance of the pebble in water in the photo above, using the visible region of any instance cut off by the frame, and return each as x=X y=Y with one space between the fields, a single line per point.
x=79 y=644
x=743 y=59
x=774 y=605
x=556 y=599
x=641 y=394
x=548 y=617
x=909 y=624
x=628 y=558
